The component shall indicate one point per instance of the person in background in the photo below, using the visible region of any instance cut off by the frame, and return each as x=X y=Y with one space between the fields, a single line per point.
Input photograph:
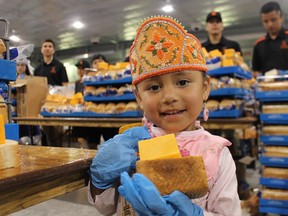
x=216 y=39
x=81 y=65
x=107 y=133
x=56 y=75
x=86 y=136
x=22 y=68
x=50 y=67
x=172 y=94
x=271 y=51
x=25 y=131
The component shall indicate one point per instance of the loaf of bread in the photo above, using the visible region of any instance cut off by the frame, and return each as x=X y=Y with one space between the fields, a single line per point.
x=275 y=109
x=185 y=174
x=274 y=194
x=131 y=106
x=9 y=154
x=270 y=86
x=120 y=107
x=110 y=108
x=275 y=130
x=2 y=47
x=276 y=151
x=269 y=172
x=212 y=105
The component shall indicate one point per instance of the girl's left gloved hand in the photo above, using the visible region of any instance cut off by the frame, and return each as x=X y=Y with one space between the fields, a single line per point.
x=145 y=198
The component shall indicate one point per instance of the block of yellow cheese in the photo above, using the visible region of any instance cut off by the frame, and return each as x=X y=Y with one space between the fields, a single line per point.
x=215 y=53
x=9 y=149
x=9 y=154
x=229 y=53
x=159 y=148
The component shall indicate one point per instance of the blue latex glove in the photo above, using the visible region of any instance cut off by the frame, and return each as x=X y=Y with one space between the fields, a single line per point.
x=115 y=156
x=145 y=198
x=183 y=204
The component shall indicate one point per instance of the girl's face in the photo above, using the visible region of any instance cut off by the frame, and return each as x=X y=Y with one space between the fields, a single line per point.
x=173 y=101
x=21 y=68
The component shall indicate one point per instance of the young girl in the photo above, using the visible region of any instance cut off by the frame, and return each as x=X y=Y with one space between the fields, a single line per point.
x=171 y=86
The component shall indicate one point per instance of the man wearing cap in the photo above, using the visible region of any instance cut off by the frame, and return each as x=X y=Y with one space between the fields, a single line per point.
x=81 y=65
x=87 y=137
x=216 y=40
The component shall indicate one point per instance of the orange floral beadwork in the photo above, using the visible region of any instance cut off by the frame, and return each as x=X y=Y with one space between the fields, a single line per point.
x=163 y=46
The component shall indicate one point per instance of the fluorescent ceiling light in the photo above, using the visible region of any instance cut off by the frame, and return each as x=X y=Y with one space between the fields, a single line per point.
x=78 y=25
x=14 y=38
x=168 y=8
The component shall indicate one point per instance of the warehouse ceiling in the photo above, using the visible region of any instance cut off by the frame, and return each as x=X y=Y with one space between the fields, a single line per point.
x=113 y=21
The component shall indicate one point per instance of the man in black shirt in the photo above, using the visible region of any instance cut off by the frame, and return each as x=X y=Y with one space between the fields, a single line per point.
x=56 y=75
x=271 y=51
x=50 y=67
x=216 y=40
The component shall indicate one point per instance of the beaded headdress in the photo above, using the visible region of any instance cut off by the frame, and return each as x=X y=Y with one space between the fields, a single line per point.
x=163 y=46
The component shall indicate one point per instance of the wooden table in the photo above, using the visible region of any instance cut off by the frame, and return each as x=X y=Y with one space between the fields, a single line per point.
x=81 y=122
x=44 y=173
x=237 y=123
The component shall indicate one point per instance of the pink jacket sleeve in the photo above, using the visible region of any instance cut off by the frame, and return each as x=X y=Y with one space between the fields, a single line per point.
x=223 y=199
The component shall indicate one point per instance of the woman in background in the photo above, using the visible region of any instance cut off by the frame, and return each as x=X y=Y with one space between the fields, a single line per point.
x=22 y=68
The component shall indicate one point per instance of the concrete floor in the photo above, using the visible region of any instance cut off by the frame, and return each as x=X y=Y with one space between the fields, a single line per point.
x=72 y=204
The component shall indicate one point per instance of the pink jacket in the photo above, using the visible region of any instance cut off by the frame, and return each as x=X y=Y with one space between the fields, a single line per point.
x=222 y=197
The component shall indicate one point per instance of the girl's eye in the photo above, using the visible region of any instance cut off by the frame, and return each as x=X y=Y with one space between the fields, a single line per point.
x=183 y=83
x=153 y=88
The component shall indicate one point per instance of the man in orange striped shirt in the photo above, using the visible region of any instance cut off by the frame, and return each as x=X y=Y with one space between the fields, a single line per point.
x=271 y=51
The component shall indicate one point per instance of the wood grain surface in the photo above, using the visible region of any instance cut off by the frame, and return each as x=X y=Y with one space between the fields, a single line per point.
x=44 y=173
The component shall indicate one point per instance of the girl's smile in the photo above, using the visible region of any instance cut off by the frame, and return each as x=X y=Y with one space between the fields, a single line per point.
x=173 y=101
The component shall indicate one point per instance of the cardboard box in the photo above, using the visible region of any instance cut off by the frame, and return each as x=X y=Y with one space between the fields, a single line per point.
x=30 y=94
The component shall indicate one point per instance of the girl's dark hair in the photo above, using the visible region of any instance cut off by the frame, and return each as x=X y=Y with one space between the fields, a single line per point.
x=27 y=71
x=99 y=56
x=271 y=6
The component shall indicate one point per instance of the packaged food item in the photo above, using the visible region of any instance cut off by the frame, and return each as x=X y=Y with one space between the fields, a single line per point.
x=161 y=162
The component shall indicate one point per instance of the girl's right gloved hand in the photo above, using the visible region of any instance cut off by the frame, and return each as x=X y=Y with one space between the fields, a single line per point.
x=115 y=156
x=145 y=198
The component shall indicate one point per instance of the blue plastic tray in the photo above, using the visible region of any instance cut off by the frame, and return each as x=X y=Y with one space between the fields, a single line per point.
x=4 y=87
x=274 y=118
x=273 y=203
x=128 y=114
x=272 y=95
x=124 y=97
x=274 y=140
x=238 y=92
x=124 y=80
x=233 y=70
x=274 y=210
x=235 y=113
x=7 y=70
x=274 y=161
x=274 y=183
